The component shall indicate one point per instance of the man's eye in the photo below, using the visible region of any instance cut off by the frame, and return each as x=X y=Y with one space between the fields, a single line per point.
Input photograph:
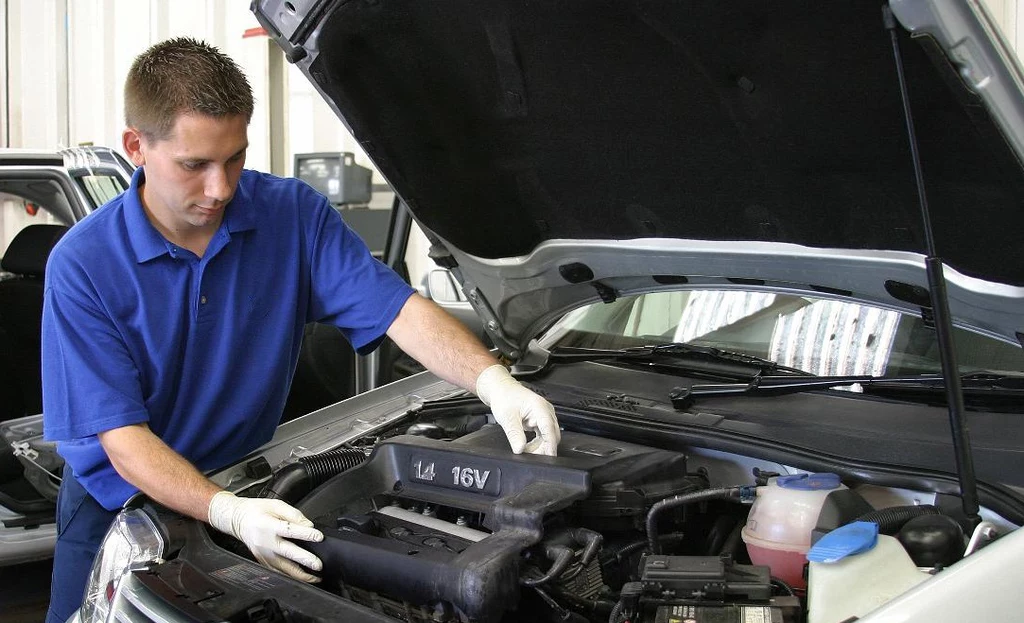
x=191 y=166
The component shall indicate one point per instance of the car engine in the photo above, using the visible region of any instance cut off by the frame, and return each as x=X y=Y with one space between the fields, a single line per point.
x=440 y=527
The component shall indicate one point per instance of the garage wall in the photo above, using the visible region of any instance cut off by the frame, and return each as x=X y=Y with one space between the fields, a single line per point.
x=36 y=93
x=104 y=36
x=67 y=60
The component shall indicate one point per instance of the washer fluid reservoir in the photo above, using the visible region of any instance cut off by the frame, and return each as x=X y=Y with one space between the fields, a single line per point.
x=854 y=570
x=780 y=523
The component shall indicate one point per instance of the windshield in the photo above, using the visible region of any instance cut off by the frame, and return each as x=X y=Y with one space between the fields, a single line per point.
x=819 y=336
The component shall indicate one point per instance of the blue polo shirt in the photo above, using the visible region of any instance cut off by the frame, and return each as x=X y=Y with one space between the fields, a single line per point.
x=136 y=329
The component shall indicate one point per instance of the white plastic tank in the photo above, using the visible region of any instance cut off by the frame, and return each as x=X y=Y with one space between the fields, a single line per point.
x=854 y=585
x=780 y=523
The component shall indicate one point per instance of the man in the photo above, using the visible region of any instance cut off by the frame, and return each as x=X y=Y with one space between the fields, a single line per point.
x=173 y=317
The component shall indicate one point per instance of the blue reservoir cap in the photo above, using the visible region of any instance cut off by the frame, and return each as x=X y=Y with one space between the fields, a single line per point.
x=853 y=538
x=809 y=482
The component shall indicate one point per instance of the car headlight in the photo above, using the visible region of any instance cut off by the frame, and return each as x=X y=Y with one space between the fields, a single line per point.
x=132 y=541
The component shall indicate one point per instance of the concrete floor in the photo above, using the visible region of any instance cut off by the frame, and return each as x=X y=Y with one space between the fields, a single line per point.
x=25 y=592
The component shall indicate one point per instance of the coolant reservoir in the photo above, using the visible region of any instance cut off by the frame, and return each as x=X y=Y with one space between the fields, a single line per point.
x=779 y=526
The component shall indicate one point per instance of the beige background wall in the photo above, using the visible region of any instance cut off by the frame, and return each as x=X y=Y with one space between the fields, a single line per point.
x=67 y=60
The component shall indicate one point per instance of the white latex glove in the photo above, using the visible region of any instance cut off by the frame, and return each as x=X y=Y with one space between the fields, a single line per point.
x=263 y=526
x=517 y=409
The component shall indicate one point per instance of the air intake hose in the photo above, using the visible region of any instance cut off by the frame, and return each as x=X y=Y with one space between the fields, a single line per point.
x=293 y=481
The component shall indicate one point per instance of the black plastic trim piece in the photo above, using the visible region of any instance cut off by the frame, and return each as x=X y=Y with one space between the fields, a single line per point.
x=745 y=282
x=828 y=290
x=576 y=272
x=908 y=293
x=607 y=293
x=31 y=521
x=670 y=279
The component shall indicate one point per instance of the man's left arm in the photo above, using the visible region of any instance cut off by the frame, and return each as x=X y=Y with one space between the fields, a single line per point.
x=448 y=349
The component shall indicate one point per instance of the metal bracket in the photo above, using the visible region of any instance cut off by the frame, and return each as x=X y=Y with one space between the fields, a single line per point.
x=489 y=318
x=22 y=448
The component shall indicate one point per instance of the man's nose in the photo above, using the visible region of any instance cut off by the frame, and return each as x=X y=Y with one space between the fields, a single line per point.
x=218 y=187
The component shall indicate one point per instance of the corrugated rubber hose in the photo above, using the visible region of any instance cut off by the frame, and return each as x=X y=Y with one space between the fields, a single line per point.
x=295 y=480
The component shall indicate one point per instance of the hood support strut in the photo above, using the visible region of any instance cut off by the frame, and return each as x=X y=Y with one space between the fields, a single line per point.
x=940 y=306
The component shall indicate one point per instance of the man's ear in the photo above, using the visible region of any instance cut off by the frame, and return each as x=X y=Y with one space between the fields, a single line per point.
x=131 y=140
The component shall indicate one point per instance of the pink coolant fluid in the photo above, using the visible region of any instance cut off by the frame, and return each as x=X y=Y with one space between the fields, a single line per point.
x=780 y=523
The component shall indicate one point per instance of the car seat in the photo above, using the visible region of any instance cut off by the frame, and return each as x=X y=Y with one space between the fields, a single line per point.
x=21 y=314
x=325 y=371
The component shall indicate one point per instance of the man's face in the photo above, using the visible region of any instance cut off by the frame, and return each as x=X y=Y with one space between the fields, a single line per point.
x=192 y=174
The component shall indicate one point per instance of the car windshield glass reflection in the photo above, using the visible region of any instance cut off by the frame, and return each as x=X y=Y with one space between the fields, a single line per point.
x=816 y=335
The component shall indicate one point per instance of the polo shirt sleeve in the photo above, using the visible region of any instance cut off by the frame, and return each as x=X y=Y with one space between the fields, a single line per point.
x=350 y=288
x=90 y=383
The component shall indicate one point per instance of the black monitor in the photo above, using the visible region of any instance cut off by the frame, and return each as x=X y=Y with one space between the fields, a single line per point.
x=336 y=175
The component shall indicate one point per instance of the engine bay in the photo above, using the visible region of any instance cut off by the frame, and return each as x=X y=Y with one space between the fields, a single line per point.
x=431 y=518
x=440 y=522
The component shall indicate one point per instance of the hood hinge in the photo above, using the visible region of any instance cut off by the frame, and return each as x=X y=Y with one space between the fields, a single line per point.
x=443 y=257
x=489 y=318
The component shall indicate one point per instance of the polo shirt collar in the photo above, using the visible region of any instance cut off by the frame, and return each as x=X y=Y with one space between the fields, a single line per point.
x=241 y=212
x=148 y=243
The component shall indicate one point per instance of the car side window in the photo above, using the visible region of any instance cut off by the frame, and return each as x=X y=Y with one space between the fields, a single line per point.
x=100 y=188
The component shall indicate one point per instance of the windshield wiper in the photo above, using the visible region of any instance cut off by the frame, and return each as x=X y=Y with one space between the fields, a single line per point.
x=703 y=359
x=769 y=385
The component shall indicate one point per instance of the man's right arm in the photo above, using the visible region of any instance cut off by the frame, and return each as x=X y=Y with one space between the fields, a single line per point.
x=145 y=461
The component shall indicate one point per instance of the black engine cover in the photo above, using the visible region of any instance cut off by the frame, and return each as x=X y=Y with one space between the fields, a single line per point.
x=513 y=494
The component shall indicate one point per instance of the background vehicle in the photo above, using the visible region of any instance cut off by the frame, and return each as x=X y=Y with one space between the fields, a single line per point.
x=41 y=194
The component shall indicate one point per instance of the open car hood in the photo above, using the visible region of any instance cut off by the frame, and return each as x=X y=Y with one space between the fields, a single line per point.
x=566 y=152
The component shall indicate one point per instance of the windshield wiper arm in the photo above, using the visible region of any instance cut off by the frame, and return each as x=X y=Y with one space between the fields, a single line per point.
x=992 y=380
x=683 y=397
x=724 y=362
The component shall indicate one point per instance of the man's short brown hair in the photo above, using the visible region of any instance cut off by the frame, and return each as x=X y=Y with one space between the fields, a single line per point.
x=183 y=76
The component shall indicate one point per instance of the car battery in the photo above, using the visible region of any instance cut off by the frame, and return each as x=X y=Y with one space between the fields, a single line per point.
x=705 y=578
x=709 y=589
x=781 y=610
